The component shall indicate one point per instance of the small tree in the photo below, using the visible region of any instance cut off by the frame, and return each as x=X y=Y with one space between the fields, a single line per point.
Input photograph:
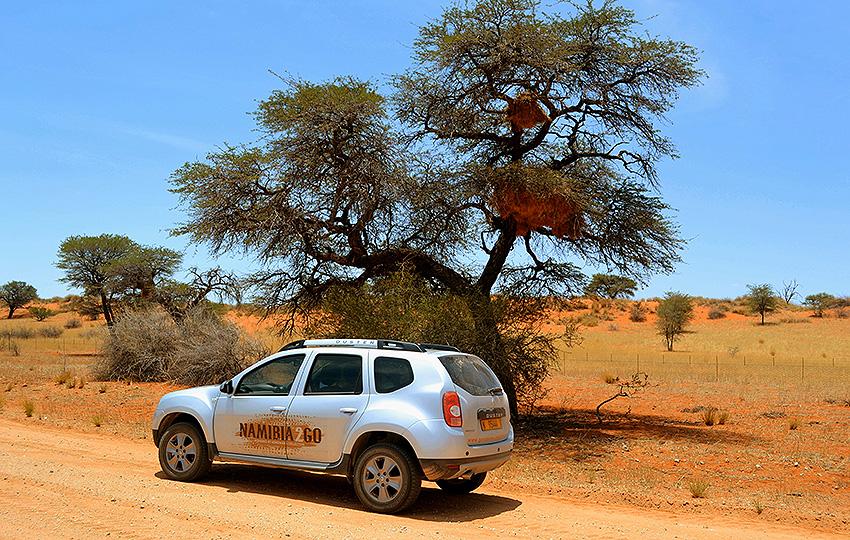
x=819 y=302
x=16 y=294
x=761 y=299
x=608 y=286
x=674 y=312
x=40 y=313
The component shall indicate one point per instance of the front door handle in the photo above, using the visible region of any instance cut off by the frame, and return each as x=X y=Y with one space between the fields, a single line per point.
x=348 y=410
x=278 y=410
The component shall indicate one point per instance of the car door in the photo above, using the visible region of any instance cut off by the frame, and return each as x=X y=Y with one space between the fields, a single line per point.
x=327 y=406
x=252 y=420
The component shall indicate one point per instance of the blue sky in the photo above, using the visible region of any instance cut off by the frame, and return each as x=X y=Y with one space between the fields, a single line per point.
x=101 y=101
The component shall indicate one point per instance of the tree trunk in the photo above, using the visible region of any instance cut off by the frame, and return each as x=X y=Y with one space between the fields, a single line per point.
x=490 y=347
x=11 y=312
x=107 y=310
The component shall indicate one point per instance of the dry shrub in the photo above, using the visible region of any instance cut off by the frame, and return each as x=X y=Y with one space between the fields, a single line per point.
x=148 y=345
x=637 y=312
x=51 y=331
x=211 y=350
x=709 y=416
x=140 y=346
x=715 y=313
x=72 y=323
x=23 y=332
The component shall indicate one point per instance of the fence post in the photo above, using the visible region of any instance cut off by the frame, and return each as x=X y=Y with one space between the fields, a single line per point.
x=716 y=368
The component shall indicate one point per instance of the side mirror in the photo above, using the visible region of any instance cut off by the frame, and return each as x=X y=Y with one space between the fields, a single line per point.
x=226 y=387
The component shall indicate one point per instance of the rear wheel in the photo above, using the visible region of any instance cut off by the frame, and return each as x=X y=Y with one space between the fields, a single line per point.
x=183 y=453
x=386 y=478
x=462 y=485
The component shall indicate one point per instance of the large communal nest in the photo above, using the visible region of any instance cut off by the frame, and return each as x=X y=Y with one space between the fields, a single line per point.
x=524 y=111
x=537 y=198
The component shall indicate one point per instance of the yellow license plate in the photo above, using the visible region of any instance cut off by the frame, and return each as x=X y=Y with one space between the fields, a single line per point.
x=490 y=424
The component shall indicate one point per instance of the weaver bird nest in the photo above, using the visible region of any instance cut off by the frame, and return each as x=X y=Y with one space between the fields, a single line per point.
x=536 y=199
x=525 y=112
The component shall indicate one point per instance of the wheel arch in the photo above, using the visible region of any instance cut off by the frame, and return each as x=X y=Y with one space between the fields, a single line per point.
x=175 y=417
x=370 y=438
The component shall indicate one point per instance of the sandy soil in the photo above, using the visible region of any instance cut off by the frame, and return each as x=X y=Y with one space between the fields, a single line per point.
x=66 y=484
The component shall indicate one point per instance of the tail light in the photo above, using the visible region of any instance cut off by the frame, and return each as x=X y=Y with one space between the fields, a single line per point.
x=451 y=409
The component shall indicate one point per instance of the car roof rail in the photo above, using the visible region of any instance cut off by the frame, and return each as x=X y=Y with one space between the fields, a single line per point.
x=363 y=343
x=438 y=347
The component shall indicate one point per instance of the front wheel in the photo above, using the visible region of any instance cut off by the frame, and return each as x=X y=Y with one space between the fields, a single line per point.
x=183 y=453
x=462 y=485
x=386 y=478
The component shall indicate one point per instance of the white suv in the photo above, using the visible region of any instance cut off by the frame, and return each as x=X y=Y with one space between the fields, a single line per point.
x=383 y=413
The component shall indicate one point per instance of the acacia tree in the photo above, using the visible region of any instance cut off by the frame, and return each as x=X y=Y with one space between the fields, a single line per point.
x=86 y=261
x=113 y=267
x=761 y=299
x=609 y=286
x=16 y=294
x=513 y=129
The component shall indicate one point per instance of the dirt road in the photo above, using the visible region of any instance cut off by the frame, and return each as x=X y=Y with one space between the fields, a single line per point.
x=60 y=484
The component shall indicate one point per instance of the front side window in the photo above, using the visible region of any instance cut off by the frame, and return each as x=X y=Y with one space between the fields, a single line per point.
x=335 y=374
x=272 y=378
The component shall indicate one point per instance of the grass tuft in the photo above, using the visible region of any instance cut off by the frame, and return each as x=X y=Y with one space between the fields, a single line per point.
x=698 y=487
x=29 y=408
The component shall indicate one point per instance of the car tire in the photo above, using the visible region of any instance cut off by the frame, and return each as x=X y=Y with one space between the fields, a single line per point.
x=386 y=478
x=183 y=453
x=459 y=486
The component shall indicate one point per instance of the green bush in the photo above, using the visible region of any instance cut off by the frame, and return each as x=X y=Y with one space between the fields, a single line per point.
x=40 y=313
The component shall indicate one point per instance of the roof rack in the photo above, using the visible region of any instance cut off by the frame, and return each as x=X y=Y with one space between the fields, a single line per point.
x=438 y=347
x=362 y=343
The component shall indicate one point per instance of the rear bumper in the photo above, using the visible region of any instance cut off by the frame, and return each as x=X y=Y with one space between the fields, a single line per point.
x=447 y=469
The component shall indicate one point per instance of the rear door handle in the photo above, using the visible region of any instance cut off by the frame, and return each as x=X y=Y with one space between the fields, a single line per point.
x=348 y=410
x=278 y=410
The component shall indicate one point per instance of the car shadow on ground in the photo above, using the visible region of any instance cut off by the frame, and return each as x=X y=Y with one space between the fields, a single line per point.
x=433 y=504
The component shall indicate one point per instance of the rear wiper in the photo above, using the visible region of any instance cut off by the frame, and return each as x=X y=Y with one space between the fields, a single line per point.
x=495 y=391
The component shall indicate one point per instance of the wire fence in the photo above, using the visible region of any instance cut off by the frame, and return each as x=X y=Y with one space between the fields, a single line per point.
x=707 y=367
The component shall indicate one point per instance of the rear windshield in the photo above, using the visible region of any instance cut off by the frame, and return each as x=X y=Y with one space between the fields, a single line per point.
x=471 y=374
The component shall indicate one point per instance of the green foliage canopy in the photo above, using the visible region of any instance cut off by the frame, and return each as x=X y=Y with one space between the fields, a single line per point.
x=610 y=286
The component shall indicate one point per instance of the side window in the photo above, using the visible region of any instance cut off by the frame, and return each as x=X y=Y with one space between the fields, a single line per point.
x=392 y=374
x=272 y=378
x=335 y=374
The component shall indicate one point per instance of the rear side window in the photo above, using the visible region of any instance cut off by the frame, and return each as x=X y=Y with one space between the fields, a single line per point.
x=392 y=374
x=471 y=374
x=336 y=374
